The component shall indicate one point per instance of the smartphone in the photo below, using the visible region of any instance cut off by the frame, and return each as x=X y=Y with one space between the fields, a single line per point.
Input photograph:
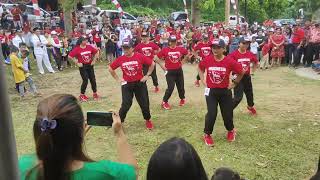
x=95 y=118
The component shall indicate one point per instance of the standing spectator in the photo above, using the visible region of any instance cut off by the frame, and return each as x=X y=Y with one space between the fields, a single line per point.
x=56 y=45
x=110 y=45
x=288 y=47
x=18 y=38
x=254 y=46
x=4 y=44
x=16 y=14
x=313 y=48
x=176 y=159
x=260 y=38
x=234 y=45
x=59 y=132
x=40 y=51
x=18 y=70
x=297 y=41
x=277 y=43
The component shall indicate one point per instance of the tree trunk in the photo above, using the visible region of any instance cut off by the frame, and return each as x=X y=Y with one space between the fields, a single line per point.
x=67 y=21
x=195 y=12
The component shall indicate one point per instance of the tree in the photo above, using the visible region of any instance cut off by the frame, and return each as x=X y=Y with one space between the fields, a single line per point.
x=195 y=12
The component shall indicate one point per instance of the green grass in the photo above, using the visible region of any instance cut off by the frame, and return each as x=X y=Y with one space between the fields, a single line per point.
x=282 y=142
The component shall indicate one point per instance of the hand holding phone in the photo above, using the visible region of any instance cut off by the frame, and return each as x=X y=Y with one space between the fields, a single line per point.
x=95 y=118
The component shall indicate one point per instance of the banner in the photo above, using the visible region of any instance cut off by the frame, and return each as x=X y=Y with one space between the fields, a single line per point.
x=186 y=10
x=118 y=6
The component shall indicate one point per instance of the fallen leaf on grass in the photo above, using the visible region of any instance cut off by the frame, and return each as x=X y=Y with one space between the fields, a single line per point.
x=262 y=164
x=290 y=130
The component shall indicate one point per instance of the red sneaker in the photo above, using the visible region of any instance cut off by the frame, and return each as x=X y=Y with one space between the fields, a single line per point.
x=156 y=89
x=197 y=83
x=83 y=98
x=231 y=135
x=252 y=110
x=149 y=124
x=166 y=105
x=182 y=102
x=208 y=140
x=96 y=96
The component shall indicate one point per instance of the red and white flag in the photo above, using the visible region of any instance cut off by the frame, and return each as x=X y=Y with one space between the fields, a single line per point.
x=186 y=9
x=36 y=8
x=118 y=6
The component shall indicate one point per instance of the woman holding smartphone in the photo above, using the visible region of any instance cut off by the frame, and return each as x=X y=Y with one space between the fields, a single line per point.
x=59 y=131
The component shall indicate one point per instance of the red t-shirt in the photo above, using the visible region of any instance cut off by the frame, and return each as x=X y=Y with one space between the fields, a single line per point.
x=96 y=38
x=16 y=12
x=297 y=36
x=11 y=36
x=147 y=49
x=76 y=34
x=131 y=66
x=172 y=57
x=84 y=55
x=3 y=38
x=218 y=72
x=244 y=59
x=204 y=49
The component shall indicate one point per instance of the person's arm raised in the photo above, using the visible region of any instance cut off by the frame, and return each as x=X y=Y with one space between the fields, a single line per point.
x=123 y=148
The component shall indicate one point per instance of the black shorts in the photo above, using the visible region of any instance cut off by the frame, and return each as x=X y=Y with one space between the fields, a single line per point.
x=99 y=44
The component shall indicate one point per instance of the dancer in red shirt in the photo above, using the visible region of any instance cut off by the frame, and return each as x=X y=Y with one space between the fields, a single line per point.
x=86 y=56
x=148 y=49
x=173 y=57
x=202 y=50
x=133 y=82
x=245 y=58
x=218 y=90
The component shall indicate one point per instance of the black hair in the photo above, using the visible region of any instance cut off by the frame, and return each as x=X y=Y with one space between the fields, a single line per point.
x=175 y=159
x=317 y=175
x=22 y=44
x=13 y=49
x=57 y=147
x=224 y=173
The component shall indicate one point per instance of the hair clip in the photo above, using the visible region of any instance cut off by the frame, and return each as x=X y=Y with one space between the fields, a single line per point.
x=46 y=124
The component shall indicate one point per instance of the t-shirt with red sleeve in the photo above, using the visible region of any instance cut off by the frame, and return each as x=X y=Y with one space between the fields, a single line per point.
x=244 y=59
x=84 y=55
x=297 y=36
x=218 y=72
x=147 y=50
x=172 y=57
x=131 y=66
x=204 y=49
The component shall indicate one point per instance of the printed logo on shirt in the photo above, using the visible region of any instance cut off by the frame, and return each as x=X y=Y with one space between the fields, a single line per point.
x=206 y=51
x=86 y=56
x=130 y=68
x=245 y=62
x=174 y=57
x=147 y=51
x=217 y=74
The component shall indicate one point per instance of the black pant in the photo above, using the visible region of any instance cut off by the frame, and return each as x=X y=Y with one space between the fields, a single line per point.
x=57 y=57
x=153 y=75
x=244 y=86
x=140 y=91
x=174 y=77
x=297 y=53
x=288 y=53
x=198 y=77
x=223 y=97
x=87 y=72
x=312 y=49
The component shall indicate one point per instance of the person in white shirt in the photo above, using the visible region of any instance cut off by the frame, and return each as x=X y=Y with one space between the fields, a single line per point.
x=18 y=39
x=56 y=43
x=125 y=33
x=254 y=47
x=40 y=51
x=225 y=38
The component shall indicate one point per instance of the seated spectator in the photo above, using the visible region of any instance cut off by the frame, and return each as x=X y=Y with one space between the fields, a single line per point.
x=317 y=175
x=225 y=174
x=59 y=131
x=175 y=159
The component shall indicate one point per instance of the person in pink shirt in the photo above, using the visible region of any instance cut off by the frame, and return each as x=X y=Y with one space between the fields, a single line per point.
x=313 y=47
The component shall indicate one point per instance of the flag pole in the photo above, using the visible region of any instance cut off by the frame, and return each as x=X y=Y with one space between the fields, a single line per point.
x=8 y=150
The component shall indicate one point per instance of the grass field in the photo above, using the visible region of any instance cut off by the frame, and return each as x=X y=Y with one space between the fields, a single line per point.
x=282 y=142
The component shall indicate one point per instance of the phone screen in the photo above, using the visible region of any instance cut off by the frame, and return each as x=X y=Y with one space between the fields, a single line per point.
x=95 y=118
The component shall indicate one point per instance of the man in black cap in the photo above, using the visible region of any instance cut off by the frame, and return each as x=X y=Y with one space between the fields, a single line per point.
x=148 y=49
x=133 y=82
x=218 y=68
x=245 y=58
x=202 y=50
x=174 y=57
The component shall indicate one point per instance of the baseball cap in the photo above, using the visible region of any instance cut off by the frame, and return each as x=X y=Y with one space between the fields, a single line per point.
x=127 y=43
x=54 y=33
x=244 y=39
x=172 y=38
x=144 y=34
x=219 y=42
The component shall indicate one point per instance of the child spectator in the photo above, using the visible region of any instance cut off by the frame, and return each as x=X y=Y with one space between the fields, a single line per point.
x=18 y=70
x=254 y=47
x=264 y=63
